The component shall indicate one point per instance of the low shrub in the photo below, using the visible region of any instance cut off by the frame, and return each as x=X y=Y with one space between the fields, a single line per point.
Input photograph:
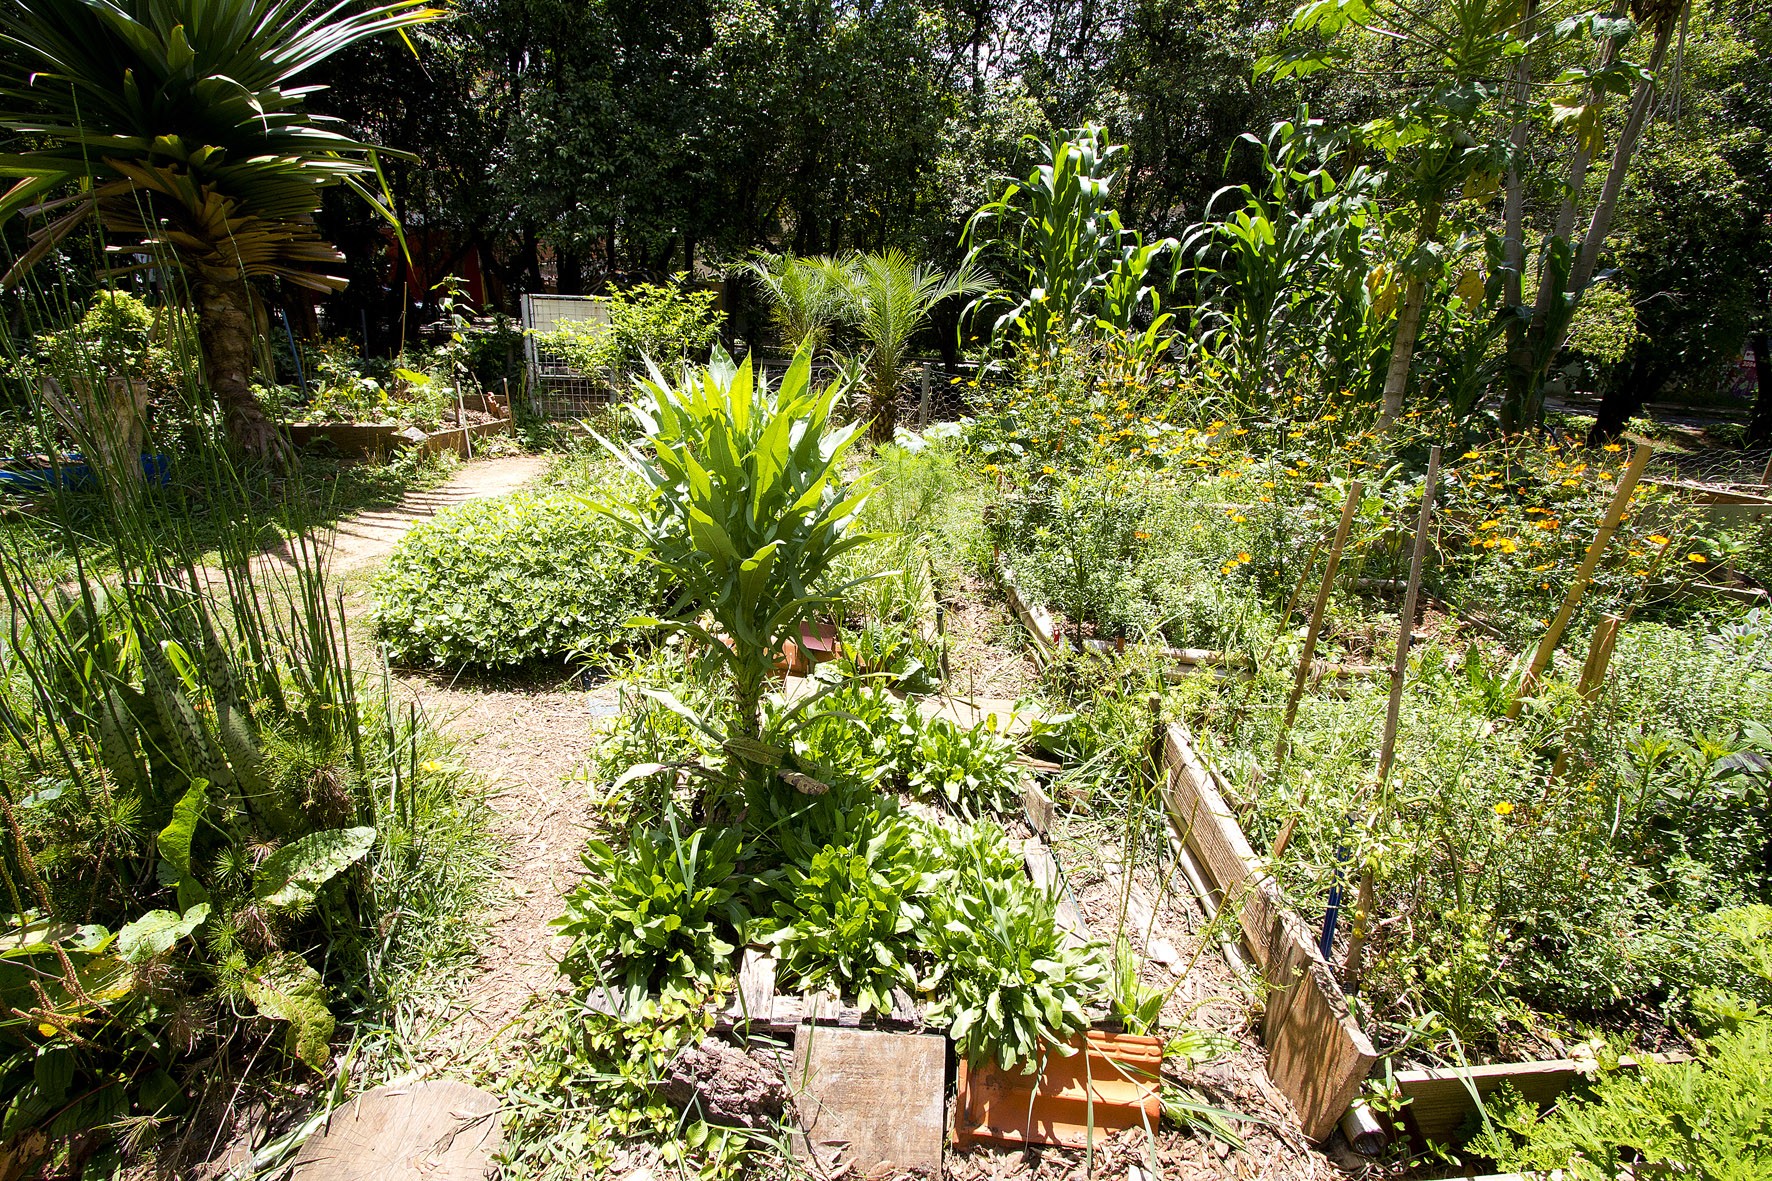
x=503 y=581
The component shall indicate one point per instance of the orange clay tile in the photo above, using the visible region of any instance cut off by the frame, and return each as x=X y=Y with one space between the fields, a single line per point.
x=1113 y=1084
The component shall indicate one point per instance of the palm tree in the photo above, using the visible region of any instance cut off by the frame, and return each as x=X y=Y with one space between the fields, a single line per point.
x=178 y=124
x=805 y=297
x=888 y=298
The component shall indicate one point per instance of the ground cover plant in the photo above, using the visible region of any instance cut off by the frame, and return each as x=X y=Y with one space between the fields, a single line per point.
x=525 y=577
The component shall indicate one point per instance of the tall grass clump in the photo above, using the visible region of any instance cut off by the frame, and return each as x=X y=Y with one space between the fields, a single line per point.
x=221 y=841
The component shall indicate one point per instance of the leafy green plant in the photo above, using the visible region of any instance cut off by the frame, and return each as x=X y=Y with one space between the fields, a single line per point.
x=850 y=902
x=659 y=914
x=1002 y=972
x=748 y=510
x=971 y=767
x=1079 y=268
x=648 y=322
x=504 y=580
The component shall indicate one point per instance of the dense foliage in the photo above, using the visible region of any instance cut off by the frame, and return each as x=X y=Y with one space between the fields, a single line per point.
x=511 y=579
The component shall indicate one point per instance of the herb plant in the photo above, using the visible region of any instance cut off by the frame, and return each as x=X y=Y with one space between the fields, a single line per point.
x=851 y=900
x=1003 y=972
x=972 y=768
x=659 y=914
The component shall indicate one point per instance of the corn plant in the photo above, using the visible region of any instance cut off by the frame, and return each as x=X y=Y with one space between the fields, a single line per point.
x=748 y=513
x=1077 y=265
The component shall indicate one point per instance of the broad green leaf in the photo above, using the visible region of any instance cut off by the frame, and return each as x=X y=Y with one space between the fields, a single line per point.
x=292 y=875
x=157 y=931
x=175 y=839
x=285 y=987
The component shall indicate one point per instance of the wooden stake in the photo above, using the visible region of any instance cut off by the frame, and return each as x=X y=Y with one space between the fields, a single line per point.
x=1363 y=907
x=1627 y=484
x=1406 y=627
x=1593 y=678
x=1354 y=492
x=1766 y=476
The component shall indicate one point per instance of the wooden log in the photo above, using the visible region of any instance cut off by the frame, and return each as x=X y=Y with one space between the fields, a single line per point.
x=1627 y=484
x=1354 y=492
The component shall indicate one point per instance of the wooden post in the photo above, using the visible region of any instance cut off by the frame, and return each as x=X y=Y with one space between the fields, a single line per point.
x=1406 y=627
x=1354 y=492
x=1766 y=476
x=1627 y=484
x=1364 y=904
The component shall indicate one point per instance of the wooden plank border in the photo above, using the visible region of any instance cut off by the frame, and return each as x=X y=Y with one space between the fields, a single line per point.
x=1316 y=1053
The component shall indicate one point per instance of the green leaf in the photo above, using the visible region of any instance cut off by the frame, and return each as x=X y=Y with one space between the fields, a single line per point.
x=285 y=987
x=292 y=875
x=175 y=839
x=156 y=932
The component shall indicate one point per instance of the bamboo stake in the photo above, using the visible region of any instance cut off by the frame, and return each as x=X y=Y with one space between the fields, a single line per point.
x=1627 y=484
x=1364 y=906
x=1593 y=677
x=1354 y=492
x=1406 y=626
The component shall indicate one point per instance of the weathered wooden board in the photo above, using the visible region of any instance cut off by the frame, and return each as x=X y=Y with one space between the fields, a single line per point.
x=867 y=1099
x=439 y=1130
x=1317 y=1054
x=1440 y=1102
x=1043 y=869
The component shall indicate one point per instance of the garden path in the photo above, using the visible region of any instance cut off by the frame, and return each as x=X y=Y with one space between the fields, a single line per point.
x=370 y=536
x=522 y=738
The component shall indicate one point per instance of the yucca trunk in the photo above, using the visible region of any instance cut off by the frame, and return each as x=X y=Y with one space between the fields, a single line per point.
x=224 y=335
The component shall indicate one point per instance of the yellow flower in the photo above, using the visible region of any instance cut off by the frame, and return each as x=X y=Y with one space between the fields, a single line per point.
x=1047 y=469
x=1239 y=518
x=1658 y=539
x=1244 y=558
x=1696 y=558
x=1471 y=455
x=1612 y=447
x=430 y=766
x=1503 y=808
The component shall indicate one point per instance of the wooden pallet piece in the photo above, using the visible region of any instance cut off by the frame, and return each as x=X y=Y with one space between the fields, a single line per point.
x=869 y=1100
x=1043 y=869
x=1440 y=1101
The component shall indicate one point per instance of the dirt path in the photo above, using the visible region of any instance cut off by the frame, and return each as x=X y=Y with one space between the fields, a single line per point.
x=368 y=537
x=523 y=740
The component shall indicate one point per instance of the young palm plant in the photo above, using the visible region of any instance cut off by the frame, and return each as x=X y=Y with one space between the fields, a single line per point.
x=888 y=299
x=749 y=512
x=180 y=123
x=805 y=297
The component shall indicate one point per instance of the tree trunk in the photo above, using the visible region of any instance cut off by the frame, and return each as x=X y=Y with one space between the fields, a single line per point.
x=224 y=336
x=1638 y=381
x=1396 y=378
x=1759 y=427
x=1544 y=340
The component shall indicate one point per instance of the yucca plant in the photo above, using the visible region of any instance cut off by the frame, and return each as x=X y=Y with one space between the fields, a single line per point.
x=180 y=126
x=748 y=511
x=887 y=300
